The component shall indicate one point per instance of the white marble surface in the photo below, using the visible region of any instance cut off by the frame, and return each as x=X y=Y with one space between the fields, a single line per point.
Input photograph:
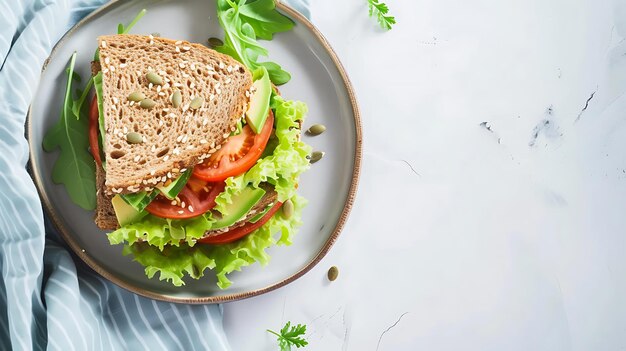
x=510 y=235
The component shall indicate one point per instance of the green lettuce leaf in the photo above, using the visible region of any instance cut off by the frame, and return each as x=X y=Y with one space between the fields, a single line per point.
x=283 y=167
x=174 y=262
x=160 y=232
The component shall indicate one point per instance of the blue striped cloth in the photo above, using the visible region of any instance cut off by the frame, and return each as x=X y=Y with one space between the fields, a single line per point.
x=47 y=299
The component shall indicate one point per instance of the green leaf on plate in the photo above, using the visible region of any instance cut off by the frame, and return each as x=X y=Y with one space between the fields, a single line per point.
x=74 y=168
x=264 y=18
x=243 y=21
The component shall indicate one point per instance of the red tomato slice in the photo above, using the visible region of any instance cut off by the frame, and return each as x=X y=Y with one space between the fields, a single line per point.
x=93 y=131
x=197 y=196
x=240 y=232
x=196 y=184
x=238 y=155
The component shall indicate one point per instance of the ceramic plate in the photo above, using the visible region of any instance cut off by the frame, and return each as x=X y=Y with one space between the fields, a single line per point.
x=330 y=185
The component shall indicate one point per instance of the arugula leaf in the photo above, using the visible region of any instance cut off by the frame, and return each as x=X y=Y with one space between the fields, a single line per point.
x=264 y=18
x=124 y=30
x=277 y=75
x=380 y=10
x=243 y=21
x=78 y=104
x=97 y=82
x=74 y=168
x=291 y=336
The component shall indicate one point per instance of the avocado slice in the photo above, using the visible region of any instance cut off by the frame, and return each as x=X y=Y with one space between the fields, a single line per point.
x=172 y=190
x=260 y=215
x=139 y=201
x=242 y=204
x=125 y=213
x=259 y=105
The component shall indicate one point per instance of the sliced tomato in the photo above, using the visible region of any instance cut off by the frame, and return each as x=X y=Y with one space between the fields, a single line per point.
x=237 y=155
x=240 y=232
x=196 y=184
x=197 y=197
x=93 y=130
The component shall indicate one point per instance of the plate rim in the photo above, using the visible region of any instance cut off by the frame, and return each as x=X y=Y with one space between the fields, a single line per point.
x=86 y=258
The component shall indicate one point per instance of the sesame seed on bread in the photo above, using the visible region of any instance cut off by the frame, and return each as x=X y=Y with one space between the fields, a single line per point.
x=174 y=138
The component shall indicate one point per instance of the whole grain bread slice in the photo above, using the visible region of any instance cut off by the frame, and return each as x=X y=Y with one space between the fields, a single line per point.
x=172 y=139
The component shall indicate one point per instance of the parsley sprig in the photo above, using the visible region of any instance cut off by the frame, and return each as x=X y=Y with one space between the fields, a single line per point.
x=381 y=10
x=291 y=336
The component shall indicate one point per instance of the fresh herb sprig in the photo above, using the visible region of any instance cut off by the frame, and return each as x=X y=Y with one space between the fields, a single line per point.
x=381 y=10
x=75 y=167
x=290 y=336
x=245 y=20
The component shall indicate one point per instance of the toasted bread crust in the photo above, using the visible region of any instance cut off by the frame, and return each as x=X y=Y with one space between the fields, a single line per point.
x=105 y=213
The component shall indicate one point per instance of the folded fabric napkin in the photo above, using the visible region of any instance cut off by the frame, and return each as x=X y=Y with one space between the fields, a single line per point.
x=47 y=300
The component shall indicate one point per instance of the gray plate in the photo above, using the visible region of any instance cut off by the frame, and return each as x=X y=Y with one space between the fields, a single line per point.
x=330 y=185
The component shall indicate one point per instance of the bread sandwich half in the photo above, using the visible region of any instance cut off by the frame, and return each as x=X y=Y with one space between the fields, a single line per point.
x=164 y=107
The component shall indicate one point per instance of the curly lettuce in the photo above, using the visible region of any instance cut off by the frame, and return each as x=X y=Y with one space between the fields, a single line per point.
x=168 y=247
x=159 y=232
x=283 y=167
x=174 y=262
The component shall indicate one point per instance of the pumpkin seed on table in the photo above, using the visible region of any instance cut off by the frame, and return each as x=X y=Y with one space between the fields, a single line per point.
x=196 y=103
x=177 y=98
x=154 y=78
x=136 y=96
x=134 y=138
x=333 y=273
x=288 y=209
x=316 y=129
x=215 y=42
x=147 y=103
x=316 y=156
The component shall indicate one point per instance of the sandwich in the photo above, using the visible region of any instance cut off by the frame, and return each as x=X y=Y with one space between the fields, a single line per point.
x=197 y=157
